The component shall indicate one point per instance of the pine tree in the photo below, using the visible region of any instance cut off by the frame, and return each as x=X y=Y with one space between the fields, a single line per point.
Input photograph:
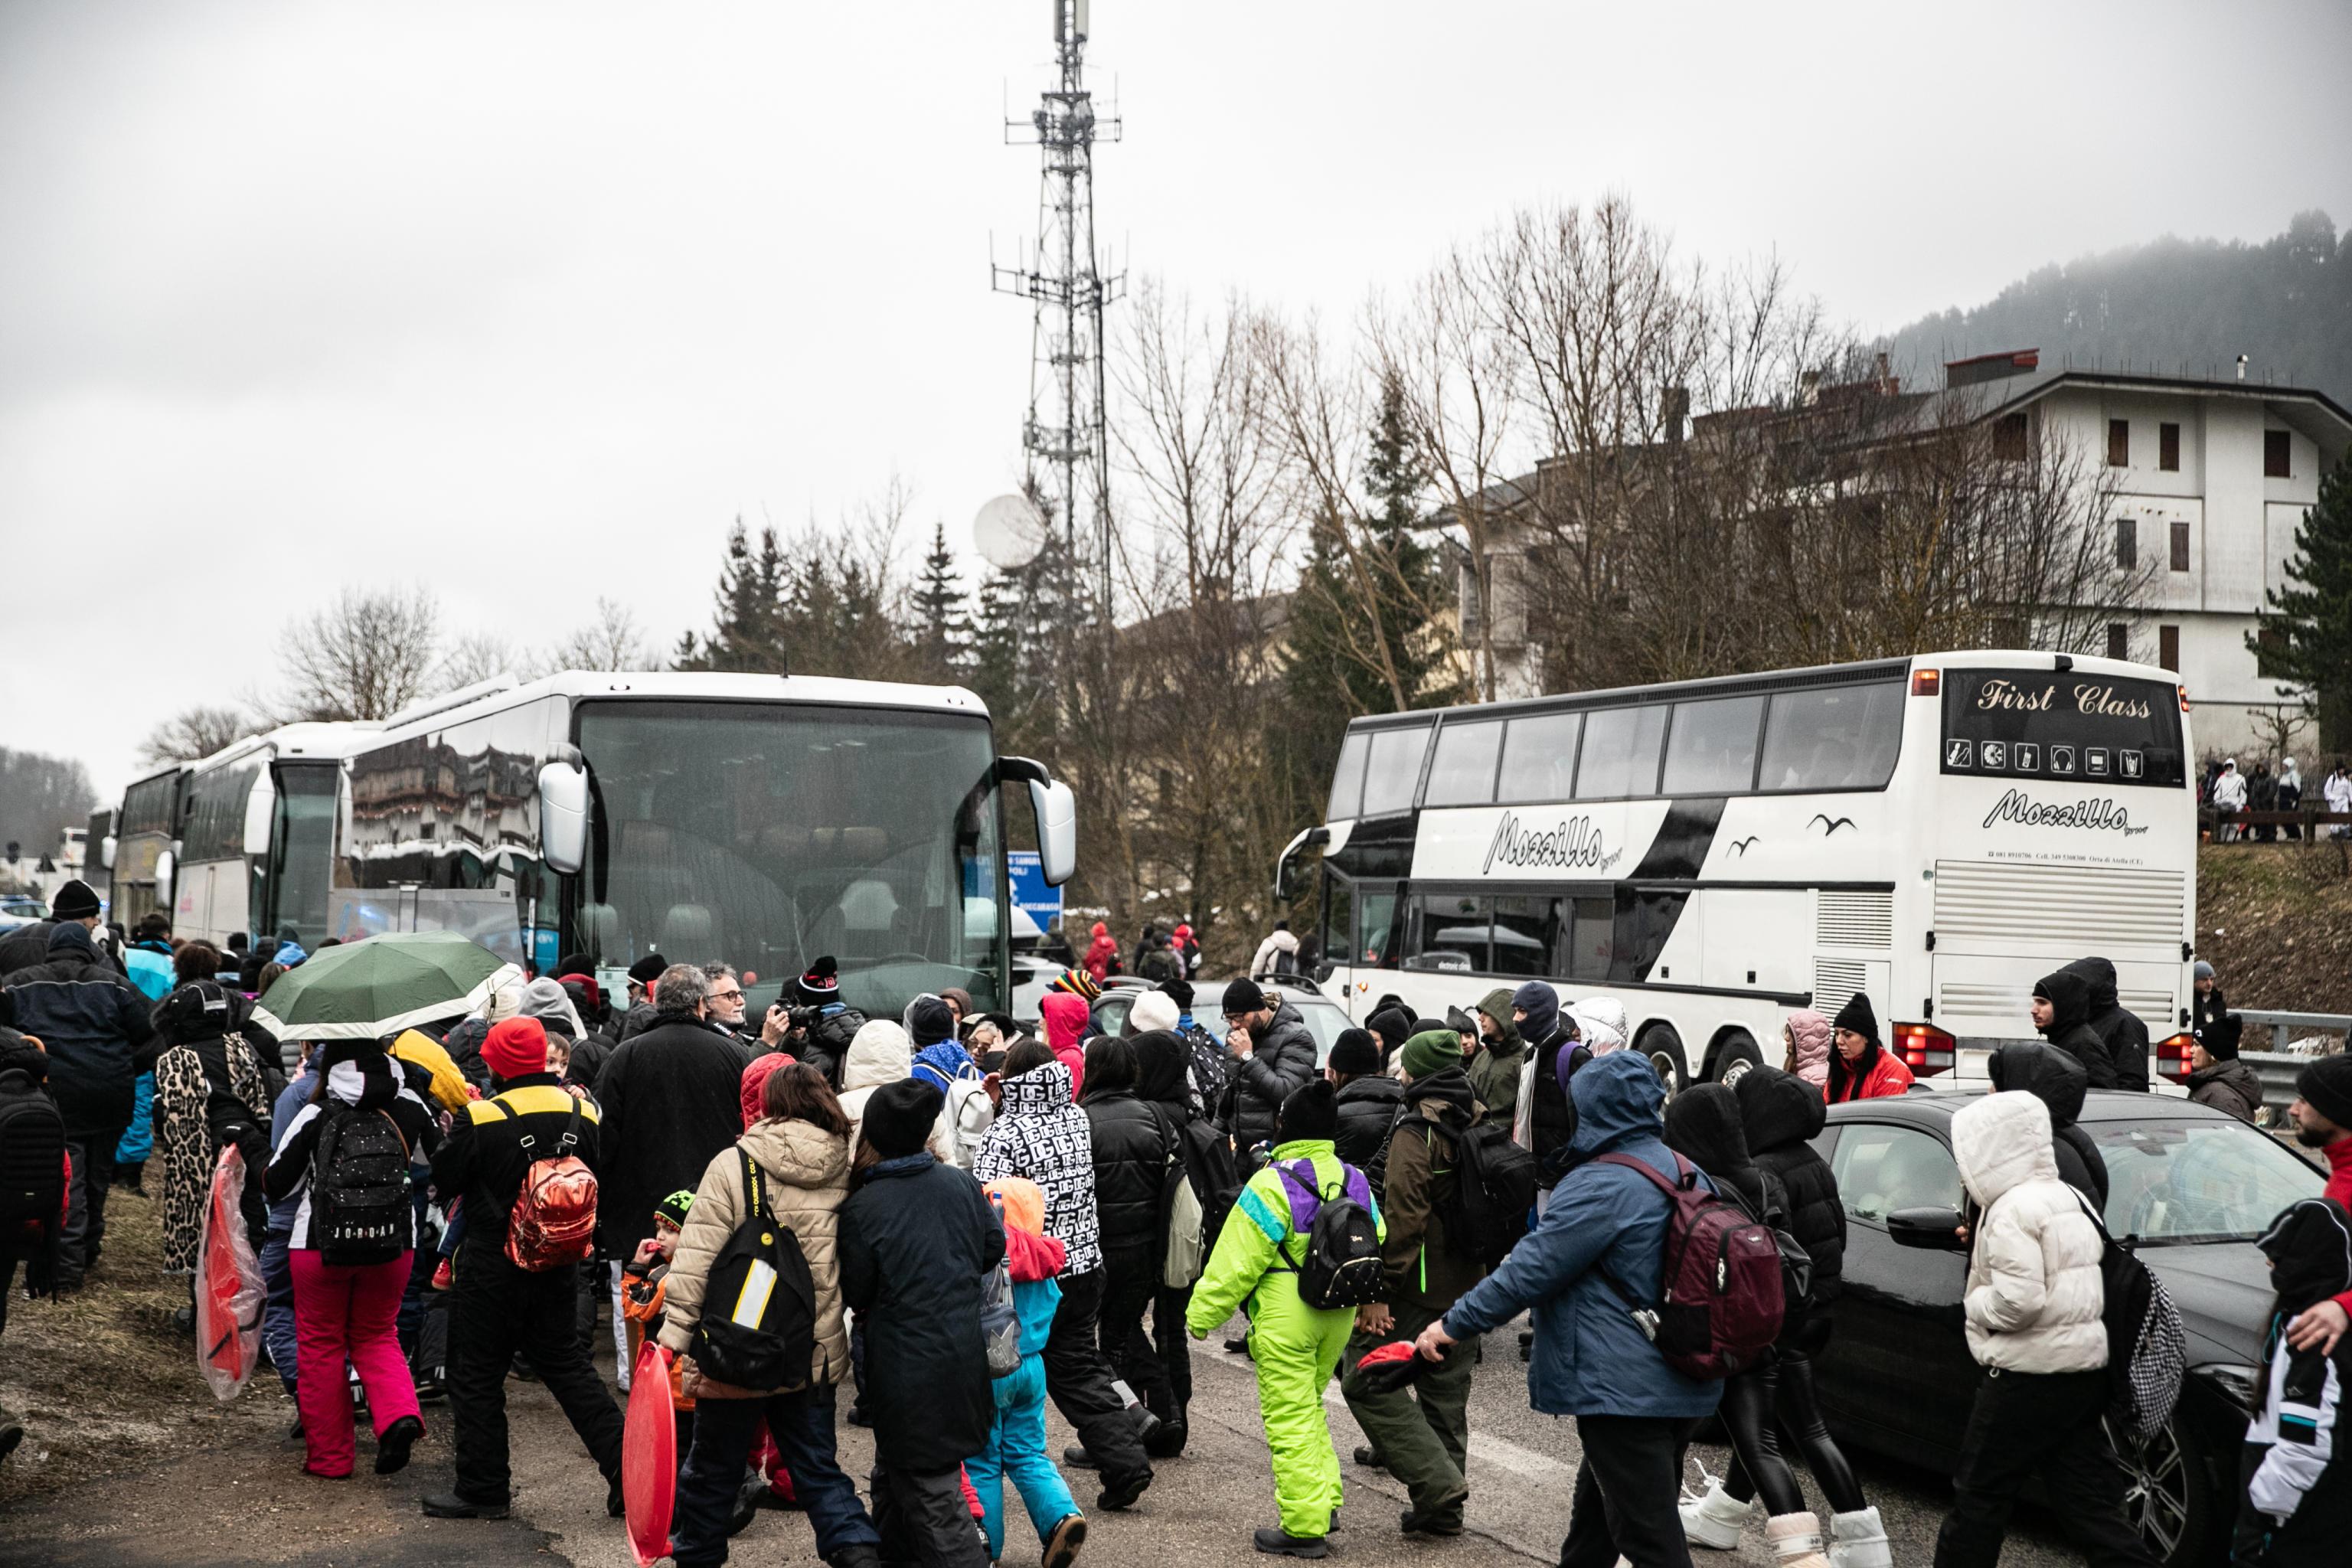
x=749 y=610
x=2306 y=637
x=944 y=636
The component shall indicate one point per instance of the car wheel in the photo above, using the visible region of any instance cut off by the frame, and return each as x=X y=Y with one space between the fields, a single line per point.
x=1665 y=1049
x=1735 y=1057
x=2169 y=1492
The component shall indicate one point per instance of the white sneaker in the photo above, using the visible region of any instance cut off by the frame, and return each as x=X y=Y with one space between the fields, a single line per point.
x=1715 y=1518
x=1858 y=1540
x=1796 y=1541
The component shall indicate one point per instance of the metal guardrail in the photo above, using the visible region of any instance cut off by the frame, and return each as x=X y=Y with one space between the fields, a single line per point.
x=2284 y=1025
x=2278 y=1069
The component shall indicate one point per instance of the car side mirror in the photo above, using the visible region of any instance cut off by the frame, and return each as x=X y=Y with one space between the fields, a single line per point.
x=564 y=815
x=1930 y=1229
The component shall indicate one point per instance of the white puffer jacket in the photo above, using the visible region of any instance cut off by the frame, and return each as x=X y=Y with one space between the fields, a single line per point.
x=880 y=1053
x=2035 y=1292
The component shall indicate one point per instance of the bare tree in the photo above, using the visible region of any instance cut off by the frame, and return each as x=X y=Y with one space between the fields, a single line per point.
x=366 y=655
x=197 y=732
x=610 y=642
x=476 y=657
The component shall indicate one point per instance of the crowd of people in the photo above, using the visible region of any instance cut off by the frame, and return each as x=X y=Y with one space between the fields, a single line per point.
x=2227 y=787
x=953 y=1221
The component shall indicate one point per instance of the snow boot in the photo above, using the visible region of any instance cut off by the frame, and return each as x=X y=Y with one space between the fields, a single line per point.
x=1858 y=1540
x=1715 y=1518
x=1796 y=1541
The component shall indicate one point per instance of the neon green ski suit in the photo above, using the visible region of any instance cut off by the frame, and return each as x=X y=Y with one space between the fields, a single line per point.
x=1295 y=1346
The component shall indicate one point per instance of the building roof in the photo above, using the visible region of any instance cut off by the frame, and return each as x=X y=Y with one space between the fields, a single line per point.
x=2307 y=411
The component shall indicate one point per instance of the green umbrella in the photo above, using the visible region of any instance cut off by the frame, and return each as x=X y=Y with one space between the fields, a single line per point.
x=382 y=985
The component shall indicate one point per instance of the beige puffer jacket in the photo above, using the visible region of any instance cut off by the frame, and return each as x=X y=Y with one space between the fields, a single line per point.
x=808 y=1172
x=2034 y=1293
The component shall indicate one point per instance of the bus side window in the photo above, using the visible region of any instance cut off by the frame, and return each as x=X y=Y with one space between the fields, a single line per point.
x=1591 y=934
x=1644 y=920
x=1843 y=737
x=1527 y=933
x=1452 y=933
x=1619 y=757
x=1376 y=934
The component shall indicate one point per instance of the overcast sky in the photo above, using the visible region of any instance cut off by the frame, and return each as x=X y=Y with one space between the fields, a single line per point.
x=527 y=301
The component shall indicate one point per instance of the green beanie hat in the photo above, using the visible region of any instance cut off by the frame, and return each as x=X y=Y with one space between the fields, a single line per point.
x=1431 y=1050
x=673 y=1208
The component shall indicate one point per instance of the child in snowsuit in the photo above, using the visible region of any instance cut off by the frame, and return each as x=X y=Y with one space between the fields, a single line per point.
x=2296 y=1491
x=643 y=1282
x=1017 y=1443
x=1297 y=1348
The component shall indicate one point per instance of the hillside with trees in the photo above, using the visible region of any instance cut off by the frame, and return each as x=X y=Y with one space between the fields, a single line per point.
x=2174 y=306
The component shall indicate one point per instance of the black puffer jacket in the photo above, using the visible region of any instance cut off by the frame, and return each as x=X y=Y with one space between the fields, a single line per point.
x=2058 y=1081
x=1132 y=1147
x=1782 y=1114
x=95 y=1025
x=2122 y=1032
x=1704 y=1126
x=1277 y=1068
x=2070 y=1025
x=1368 y=1108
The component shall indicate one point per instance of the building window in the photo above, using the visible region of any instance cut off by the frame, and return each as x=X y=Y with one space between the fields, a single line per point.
x=2180 y=547
x=2270 y=645
x=2275 y=456
x=2009 y=438
x=2118 y=641
x=2126 y=544
x=2119 y=443
x=2168 y=648
x=2168 y=448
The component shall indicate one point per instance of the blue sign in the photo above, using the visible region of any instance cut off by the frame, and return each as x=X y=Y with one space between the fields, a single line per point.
x=1030 y=890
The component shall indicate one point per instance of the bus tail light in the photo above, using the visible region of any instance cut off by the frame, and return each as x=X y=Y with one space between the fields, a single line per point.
x=2172 y=1058
x=1925 y=1049
x=1927 y=682
x=2184 y=699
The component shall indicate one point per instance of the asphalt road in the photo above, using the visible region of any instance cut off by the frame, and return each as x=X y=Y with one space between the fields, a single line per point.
x=250 y=1503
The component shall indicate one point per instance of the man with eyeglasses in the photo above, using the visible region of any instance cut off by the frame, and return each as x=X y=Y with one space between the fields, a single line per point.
x=727 y=1007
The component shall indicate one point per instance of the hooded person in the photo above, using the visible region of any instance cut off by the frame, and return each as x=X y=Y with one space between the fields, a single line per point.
x=916 y=1236
x=1495 y=1069
x=1781 y=1115
x=2062 y=1015
x=1591 y=1359
x=1294 y=1346
x=1041 y=1134
x=1391 y=1026
x=2218 y=1077
x=1542 y=1108
x=1101 y=959
x=1368 y=1100
x=1808 y=1034
x=1065 y=1017
x=1132 y=1146
x=2060 y=1082
x=213 y=1090
x=1703 y=1124
x=1163 y=1081
x=2121 y=1033
x=2295 y=1497
x=2032 y=1315
x=1860 y=1067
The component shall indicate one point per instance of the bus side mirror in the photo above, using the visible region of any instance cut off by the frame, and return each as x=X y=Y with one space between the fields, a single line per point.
x=1285 y=882
x=1056 y=811
x=106 y=851
x=261 y=807
x=165 y=861
x=563 y=816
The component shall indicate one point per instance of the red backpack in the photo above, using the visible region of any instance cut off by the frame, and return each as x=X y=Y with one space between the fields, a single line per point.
x=1721 y=1306
x=554 y=1222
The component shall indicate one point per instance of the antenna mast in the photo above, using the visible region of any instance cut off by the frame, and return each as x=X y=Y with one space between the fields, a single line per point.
x=1065 y=432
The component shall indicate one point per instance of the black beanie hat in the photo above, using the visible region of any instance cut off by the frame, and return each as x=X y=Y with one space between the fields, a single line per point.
x=2326 y=1086
x=899 y=1115
x=1243 y=996
x=822 y=983
x=2220 y=1041
x=648 y=969
x=1856 y=1016
x=74 y=901
x=1394 y=1025
x=1309 y=1112
x=1181 y=991
x=928 y=1022
x=1355 y=1053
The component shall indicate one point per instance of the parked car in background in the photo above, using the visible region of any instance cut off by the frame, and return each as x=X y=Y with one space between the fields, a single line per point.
x=1324 y=1017
x=2189 y=1188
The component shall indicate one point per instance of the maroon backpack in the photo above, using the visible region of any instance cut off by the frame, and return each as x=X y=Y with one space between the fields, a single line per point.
x=1721 y=1277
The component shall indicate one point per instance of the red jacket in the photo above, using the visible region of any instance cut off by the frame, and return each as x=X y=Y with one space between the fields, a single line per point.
x=1065 y=1017
x=1886 y=1076
x=2339 y=1188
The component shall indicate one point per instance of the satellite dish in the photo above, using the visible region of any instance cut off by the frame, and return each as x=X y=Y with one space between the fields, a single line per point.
x=1009 y=532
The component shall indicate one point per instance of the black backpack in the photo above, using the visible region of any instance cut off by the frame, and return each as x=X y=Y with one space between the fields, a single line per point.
x=1341 y=1267
x=32 y=1156
x=2147 y=1343
x=359 y=1206
x=1493 y=1190
x=757 y=1329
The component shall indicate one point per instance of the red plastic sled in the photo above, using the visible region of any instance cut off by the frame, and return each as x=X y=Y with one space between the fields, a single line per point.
x=649 y=1457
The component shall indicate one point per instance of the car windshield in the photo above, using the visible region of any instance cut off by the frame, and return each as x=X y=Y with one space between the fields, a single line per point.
x=2173 y=1181
x=770 y=834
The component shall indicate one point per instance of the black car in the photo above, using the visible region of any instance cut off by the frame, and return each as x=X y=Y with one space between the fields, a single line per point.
x=2189 y=1187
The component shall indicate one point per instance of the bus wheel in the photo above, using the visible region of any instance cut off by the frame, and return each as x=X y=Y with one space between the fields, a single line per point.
x=1665 y=1049
x=1735 y=1057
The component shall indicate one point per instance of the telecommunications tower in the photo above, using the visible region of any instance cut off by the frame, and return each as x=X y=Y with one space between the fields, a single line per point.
x=1068 y=455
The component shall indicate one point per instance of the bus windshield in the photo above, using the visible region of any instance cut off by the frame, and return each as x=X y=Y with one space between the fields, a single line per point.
x=769 y=835
x=301 y=852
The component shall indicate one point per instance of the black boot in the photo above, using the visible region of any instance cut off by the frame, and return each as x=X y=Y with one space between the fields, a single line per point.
x=449 y=1505
x=1277 y=1543
x=392 y=1448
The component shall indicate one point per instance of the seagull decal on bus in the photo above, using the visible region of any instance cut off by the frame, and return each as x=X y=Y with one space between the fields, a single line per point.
x=1829 y=827
x=1739 y=846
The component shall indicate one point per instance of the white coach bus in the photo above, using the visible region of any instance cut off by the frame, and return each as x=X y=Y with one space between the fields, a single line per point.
x=765 y=821
x=1936 y=831
x=256 y=836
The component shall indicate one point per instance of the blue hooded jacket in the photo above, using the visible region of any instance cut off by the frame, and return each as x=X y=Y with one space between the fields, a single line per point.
x=943 y=1064
x=1591 y=1358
